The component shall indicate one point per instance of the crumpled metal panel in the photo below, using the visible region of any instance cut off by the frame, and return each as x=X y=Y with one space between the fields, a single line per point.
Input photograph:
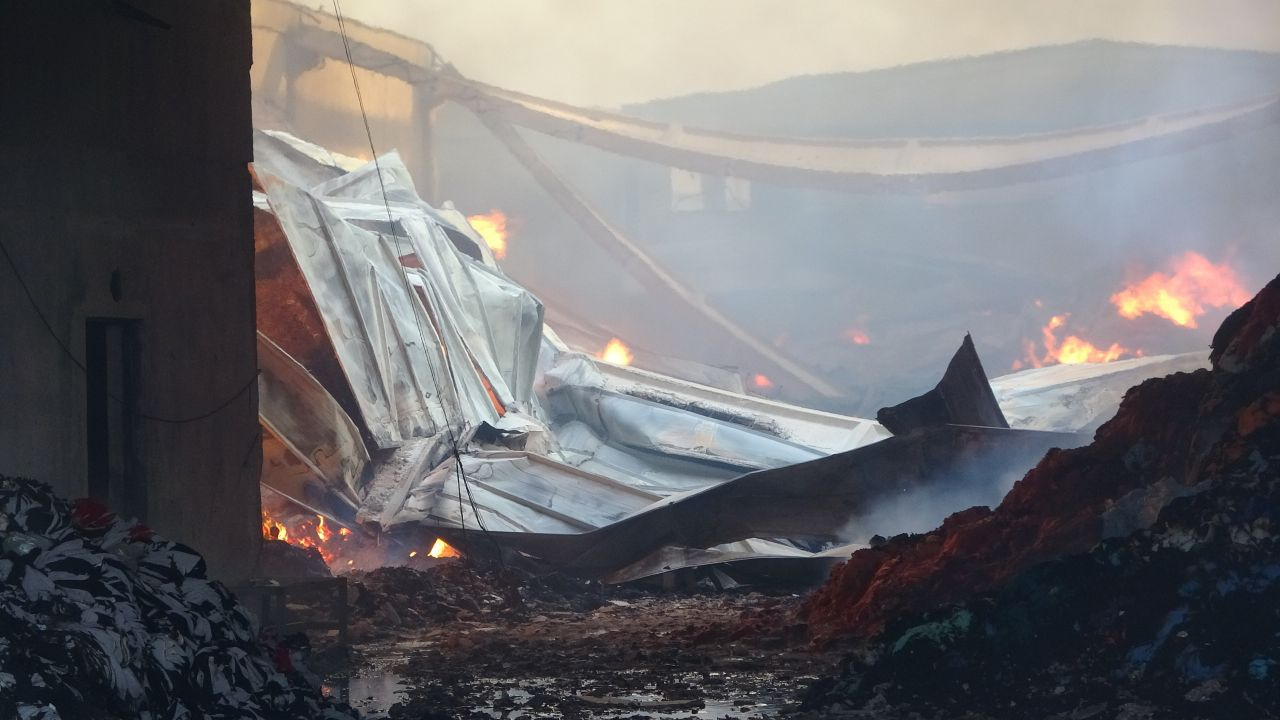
x=1079 y=398
x=575 y=391
x=368 y=311
x=433 y=340
x=833 y=499
x=306 y=419
x=499 y=321
x=819 y=431
x=516 y=492
x=670 y=558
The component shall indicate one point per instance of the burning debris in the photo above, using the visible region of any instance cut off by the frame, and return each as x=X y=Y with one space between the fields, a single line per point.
x=492 y=227
x=1136 y=574
x=1193 y=285
x=1071 y=350
x=104 y=619
x=1187 y=292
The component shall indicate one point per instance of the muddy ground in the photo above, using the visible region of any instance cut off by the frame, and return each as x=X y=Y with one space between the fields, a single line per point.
x=615 y=653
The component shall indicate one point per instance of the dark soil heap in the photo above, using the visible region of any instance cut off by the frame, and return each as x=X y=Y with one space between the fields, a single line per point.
x=1136 y=575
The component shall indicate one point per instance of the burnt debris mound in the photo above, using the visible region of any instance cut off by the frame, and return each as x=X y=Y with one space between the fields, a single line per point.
x=101 y=619
x=1139 y=575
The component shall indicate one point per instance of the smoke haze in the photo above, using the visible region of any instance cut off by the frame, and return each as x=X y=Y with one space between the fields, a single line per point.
x=611 y=53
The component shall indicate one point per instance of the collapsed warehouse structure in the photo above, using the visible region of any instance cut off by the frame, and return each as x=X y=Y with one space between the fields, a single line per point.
x=726 y=200
x=410 y=387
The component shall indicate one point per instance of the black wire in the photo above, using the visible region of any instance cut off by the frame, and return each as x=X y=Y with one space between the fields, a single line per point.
x=35 y=306
x=453 y=437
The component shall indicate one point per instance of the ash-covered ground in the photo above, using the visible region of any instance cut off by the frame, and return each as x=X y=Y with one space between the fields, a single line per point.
x=464 y=642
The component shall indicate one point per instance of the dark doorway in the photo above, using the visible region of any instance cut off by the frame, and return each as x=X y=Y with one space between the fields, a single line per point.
x=111 y=370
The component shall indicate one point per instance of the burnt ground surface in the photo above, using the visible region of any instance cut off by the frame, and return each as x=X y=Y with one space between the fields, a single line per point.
x=451 y=642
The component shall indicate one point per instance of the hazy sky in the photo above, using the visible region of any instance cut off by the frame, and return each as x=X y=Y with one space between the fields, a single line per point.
x=609 y=52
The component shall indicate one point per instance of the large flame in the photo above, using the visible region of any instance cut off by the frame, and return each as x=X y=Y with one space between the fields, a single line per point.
x=1071 y=350
x=306 y=532
x=493 y=228
x=442 y=549
x=616 y=352
x=1194 y=285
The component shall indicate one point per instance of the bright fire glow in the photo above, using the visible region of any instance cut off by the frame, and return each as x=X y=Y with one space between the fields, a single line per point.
x=761 y=381
x=493 y=228
x=616 y=352
x=857 y=337
x=272 y=530
x=441 y=549
x=1071 y=350
x=1194 y=285
x=304 y=531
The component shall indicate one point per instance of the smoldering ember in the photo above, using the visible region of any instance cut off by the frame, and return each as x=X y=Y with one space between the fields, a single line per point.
x=393 y=359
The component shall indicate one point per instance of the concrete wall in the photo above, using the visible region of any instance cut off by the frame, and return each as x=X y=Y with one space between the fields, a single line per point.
x=125 y=132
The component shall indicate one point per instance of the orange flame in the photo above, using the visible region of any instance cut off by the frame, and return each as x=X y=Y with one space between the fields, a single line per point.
x=273 y=530
x=1183 y=296
x=616 y=352
x=1071 y=350
x=493 y=228
x=761 y=381
x=306 y=533
x=441 y=549
x=857 y=337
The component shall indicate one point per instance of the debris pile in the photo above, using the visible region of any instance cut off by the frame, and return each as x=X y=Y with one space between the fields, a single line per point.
x=638 y=655
x=1164 y=601
x=1055 y=510
x=100 y=618
x=390 y=599
x=280 y=559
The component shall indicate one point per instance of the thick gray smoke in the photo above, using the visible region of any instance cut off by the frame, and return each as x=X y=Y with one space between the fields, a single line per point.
x=868 y=291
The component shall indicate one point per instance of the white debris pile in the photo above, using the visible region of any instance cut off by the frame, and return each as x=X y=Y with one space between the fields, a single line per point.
x=101 y=618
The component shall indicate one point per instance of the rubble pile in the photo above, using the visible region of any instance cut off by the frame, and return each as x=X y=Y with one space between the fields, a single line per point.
x=1057 y=509
x=280 y=559
x=101 y=619
x=1174 y=613
x=392 y=598
x=638 y=655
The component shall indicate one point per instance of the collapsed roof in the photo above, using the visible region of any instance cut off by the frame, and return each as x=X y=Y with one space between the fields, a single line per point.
x=418 y=385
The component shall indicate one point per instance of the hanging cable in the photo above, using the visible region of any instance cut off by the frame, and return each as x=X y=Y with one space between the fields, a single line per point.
x=459 y=468
x=44 y=320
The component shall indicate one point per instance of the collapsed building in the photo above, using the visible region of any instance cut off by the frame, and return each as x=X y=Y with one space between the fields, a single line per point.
x=535 y=447
x=997 y=216
x=410 y=388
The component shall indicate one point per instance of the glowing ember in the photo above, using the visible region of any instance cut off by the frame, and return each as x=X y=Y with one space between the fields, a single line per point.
x=413 y=554
x=493 y=228
x=1194 y=285
x=857 y=337
x=442 y=549
x=616 y=352
x=1071 y=350
x=761 y=381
